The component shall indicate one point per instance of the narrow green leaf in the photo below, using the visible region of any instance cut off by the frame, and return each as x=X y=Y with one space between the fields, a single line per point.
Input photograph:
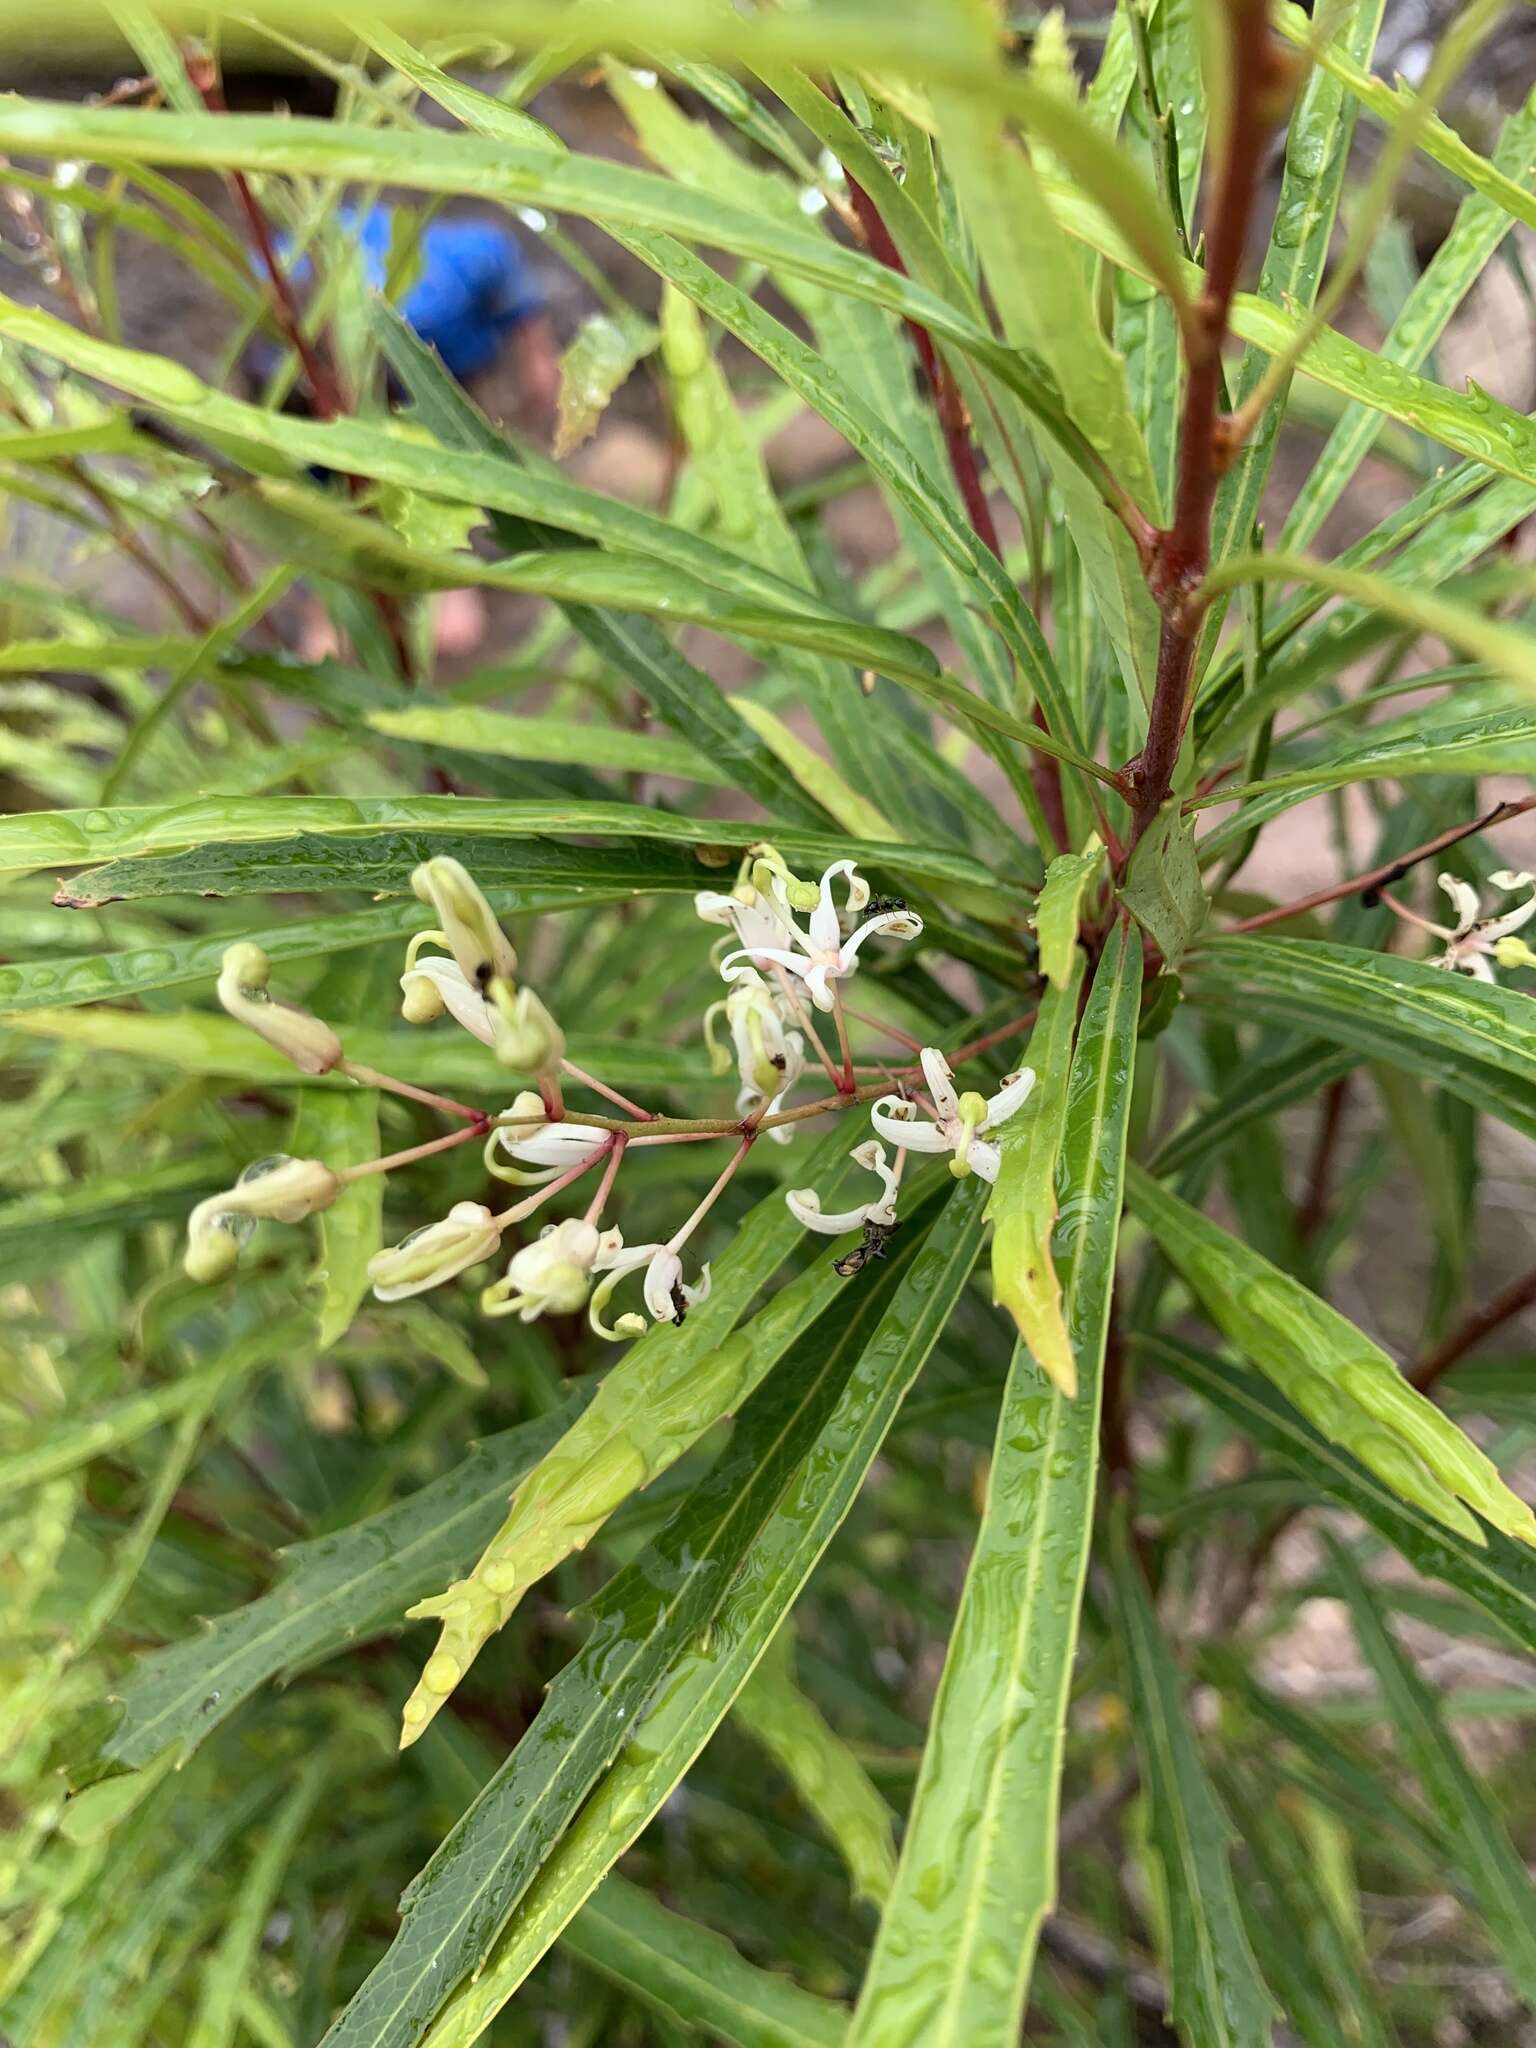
x=1477 y=1040
x=341 y=1127
x=334 y=1590
x=1490 y=1866
x=1498 y=1574
x=694 y=1977
x=953 y=1965
x=564 y=742
x=1219 y=2000
x=831 y=1782
x=707 y=1678
x=48 y=839
x=1343 y=1383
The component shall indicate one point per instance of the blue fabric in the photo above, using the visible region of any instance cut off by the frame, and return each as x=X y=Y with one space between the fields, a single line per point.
x=473 y=286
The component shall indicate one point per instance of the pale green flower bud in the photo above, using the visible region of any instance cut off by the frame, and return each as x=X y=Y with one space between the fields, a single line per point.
x=527 y=1037
x=310 y=1043
x=476 y=940
x=1513 y=953
x=468 y=1234
x=282 y=1189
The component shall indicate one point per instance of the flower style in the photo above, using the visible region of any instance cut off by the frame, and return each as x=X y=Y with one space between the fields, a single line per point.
x=286 y=1190
x=769 y=1058
x=311 y=1044
x=1476 y=938
x=553 y=1276
x=961 y=1120
x=468 y=1234
x=804 y=1204
x=820 y=955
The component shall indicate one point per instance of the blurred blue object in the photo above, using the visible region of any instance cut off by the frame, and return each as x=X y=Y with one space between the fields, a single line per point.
x=473 y=284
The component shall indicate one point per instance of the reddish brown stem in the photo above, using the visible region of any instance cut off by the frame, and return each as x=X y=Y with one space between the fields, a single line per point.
x=1377 y=879
x=1520 y=1294
x=324 y=385
x=955 y=424
x=1182 y=554
x=1325 y=1148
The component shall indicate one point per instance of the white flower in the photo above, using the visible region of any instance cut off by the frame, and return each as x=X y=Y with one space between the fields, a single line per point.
x=804 y=1204
x=244 y=972
x=286 y=1190
x=759 y=921
x=961 y=1119
x=1475 y=938
x=820 y=954
x=770 y=1058
x=553 y=1276
x=465 y=1236
x=470 y=931
x=559 y=1144
x=432 y=986
x=666 y=1296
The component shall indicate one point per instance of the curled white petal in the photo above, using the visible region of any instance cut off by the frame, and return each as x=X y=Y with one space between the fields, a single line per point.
x=463 y=1002
x=561 y=1143
x=1011 y=1097
x=939 y=1075
x=1463 y=901
x=897 y=1122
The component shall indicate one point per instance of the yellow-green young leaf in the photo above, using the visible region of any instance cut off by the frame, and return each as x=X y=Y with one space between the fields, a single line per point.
x=1023 y=1205
x=815 y=774
x=1346 y=1386
x=566 y=742
x=1162 y=888
x=829 y=1778
x=1059 y=906
x=606 y=348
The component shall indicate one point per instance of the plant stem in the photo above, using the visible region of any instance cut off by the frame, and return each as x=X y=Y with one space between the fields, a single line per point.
x=1376 y=879
x=681 y=1235
x=1518 y=1295
x=1182 y=554
x=407 y=1157
x=1314 y=1209
x=847 y=1084
x=370 y=1077
x=586 y=1080
x=610 y=1174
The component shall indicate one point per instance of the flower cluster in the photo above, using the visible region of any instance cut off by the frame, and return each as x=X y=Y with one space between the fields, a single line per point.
x=797 y=943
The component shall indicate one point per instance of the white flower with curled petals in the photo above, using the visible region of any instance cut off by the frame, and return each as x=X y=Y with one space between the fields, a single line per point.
x=666 y=1295
x=770 y=1058
x=1476 y=939
x=804 y=1204
x=961 y=1122
x=560 y=1144
x=820 y=954
x=760 y=922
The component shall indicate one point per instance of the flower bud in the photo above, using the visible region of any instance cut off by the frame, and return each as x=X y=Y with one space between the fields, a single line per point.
x=1513 y=953
x=420 y=1001
x=475 y=939
x=428 y=1257
x=527 y=1037
x=310 y=1043
x=549 y=1277
x=285 y=1190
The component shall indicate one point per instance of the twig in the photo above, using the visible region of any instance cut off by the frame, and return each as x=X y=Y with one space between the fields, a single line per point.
x=1182 y=554
x=1519 y=1294
x=1375 y=880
